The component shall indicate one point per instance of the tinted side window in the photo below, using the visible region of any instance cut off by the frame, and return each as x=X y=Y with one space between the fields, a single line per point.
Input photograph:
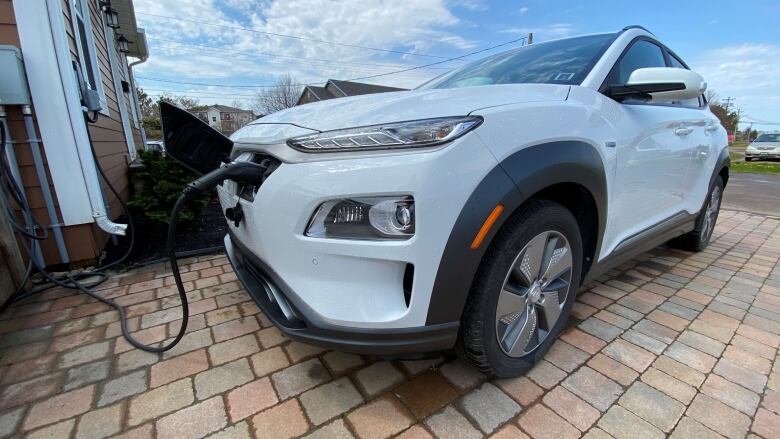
x=641 y=54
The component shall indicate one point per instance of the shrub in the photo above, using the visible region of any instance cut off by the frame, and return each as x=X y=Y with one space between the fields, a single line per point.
x=159 y=184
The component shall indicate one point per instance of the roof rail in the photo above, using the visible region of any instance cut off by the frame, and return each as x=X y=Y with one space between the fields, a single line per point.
x=635 y=26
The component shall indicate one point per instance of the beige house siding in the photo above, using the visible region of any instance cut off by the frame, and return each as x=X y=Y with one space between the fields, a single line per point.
x=84 y=242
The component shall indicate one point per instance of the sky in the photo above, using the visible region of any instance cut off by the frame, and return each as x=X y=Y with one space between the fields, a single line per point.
x=221 y=51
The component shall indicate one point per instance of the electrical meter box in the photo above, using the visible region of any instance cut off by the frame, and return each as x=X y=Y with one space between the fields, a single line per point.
x=13 y=83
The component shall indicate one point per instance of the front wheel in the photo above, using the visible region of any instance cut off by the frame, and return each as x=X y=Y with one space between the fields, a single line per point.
x=524 y=291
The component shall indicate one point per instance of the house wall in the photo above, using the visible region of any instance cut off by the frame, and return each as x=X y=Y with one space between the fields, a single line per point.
x=84 y=242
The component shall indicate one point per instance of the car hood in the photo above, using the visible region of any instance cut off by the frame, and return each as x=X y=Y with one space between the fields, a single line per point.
x=390 y=107
x=765 y=145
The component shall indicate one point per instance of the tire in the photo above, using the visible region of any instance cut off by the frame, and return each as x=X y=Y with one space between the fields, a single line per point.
x=699 y=238
x=748 y=159
x=538 y=224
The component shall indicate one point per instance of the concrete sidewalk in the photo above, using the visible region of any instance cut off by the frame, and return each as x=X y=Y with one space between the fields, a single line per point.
x=671 y=343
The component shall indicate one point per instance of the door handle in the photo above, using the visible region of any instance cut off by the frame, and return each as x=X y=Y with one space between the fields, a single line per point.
x=711 y=127
x=683 y=131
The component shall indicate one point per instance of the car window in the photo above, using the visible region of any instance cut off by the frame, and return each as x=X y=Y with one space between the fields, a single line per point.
x=768 y=138
x=566 y=61
x=641 y=54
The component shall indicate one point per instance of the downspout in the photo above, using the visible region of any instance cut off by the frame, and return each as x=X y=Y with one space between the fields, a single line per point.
x=131 y=73
x=35 y=149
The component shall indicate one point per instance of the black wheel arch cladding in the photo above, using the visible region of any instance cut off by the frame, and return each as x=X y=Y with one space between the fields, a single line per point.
x=511 y=182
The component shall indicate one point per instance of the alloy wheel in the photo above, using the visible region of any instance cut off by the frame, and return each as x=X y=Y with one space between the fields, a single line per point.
x=534 y=293
x=711 y=214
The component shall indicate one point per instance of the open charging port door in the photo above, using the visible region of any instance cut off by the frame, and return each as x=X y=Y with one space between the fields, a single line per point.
x=191 y=141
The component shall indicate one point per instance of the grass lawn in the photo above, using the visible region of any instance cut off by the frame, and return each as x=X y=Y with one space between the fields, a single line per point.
x=756 y=167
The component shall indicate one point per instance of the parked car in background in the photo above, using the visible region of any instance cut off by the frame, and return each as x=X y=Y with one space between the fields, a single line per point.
x=156 y=145
x=766 y=146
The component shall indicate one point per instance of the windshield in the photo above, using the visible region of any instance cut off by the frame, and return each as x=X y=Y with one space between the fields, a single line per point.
x=768 y=138
x=566 y=61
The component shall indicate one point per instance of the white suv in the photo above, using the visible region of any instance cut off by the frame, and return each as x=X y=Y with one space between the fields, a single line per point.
x=467 y=213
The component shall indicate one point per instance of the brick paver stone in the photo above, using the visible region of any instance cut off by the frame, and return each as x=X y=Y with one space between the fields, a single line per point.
x=195 y=421
x=30 y=390
x=330 y=400
x=489 y=407
x=236 y=431
x=613 y=369
x=731 y=394
x=679 y=370
x=122 y=387
x=340 y=362
x=9 y=421
x=381 y=418
x=542 y=423
x=59 y=430
x=219 y=379
x=461 y=375
x=230 y=350
x=687 y=428
x=250 y=398
x=570 y=407
x=299 y=378
x=622 y=424
x=652 y=405
x=767 y=424
x=84 y=354
x=57 y=408
x=629 y=354
x=160 y=401
x=425 y=394
x=450 y=424
x=282 y=421
x=566 y=356
x=378 y=377
x=179 y=367
x=268 y=361
x=669 y=385
x=691 y=357
x=593 y=387
x=100 y=423
x=718 y=416
x=335 y=430
x=235 y=328
x=521 y=389
x=546 y=374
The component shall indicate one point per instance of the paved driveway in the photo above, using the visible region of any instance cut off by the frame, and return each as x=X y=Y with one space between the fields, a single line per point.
x=670 y=343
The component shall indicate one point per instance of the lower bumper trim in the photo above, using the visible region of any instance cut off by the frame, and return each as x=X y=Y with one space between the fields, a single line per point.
x=260 y=281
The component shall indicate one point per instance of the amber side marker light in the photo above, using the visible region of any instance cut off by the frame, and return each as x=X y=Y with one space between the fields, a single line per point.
x=488 y=224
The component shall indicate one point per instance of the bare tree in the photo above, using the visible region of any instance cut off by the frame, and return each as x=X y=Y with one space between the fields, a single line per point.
x=284 y=94
x=237 y=103
x=712 y=96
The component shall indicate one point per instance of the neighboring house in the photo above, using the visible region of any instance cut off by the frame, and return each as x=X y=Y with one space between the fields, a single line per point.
x=70 y=199
x=339 y=89
x=223 y=118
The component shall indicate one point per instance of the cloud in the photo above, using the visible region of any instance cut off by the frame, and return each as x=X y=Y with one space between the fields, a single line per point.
x=747 y=72
x=521 y=11
x=236 y=56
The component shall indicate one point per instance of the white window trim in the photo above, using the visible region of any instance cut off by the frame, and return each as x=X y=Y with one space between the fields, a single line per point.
x=120 y=94
x=91 y=52
x=52 y=81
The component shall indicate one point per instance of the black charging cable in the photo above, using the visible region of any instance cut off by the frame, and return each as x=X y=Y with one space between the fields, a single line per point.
x=241 y=172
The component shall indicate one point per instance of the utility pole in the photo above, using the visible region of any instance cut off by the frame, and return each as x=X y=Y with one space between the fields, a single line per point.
x=530 y=38
x=736 y=123
x=727 y=103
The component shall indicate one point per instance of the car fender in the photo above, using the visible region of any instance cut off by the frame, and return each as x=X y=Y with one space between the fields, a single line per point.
x=515 y=179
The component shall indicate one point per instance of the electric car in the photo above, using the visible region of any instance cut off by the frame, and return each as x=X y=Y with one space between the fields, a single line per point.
x=766 y=146
x=467 y=213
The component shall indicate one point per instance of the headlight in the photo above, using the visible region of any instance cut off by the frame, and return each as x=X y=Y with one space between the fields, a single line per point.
x=413 y=134
x=374 y=218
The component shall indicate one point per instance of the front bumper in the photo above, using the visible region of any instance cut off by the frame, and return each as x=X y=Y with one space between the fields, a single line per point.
x=272 y=295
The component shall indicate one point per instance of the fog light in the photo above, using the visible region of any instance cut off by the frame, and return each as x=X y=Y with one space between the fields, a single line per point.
x=375 y=218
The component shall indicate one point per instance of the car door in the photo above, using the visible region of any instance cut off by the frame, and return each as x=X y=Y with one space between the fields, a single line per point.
x=704 y=136
x=654 y=147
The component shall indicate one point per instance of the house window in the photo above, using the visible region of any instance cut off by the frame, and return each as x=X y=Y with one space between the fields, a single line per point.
x=85 y=46
x=213 y=118
x=224 y=116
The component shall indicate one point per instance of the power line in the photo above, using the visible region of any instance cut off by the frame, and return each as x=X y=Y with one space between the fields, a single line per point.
x=276 y=55
x=522 y=39
x=296 y=37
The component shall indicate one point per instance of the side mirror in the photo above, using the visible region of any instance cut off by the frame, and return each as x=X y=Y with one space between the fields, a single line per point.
x=660 y=84
x=191 y=141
